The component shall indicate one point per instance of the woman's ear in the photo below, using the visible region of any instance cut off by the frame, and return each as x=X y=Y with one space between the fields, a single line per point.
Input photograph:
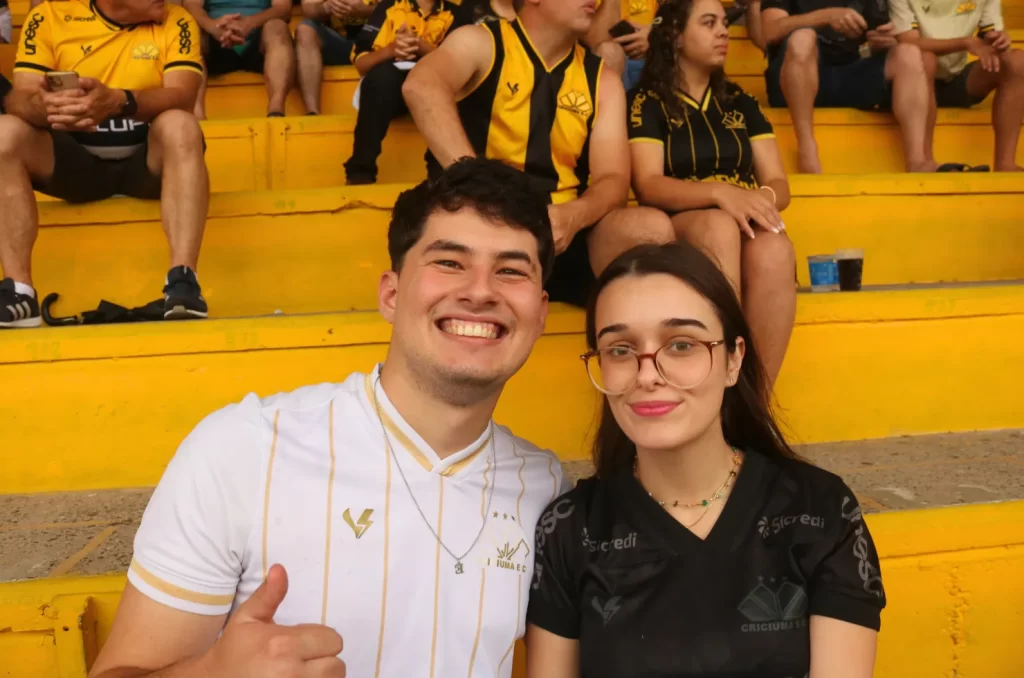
x=734 y=361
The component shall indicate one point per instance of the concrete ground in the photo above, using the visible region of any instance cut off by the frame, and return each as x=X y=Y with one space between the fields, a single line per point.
x=84 y=533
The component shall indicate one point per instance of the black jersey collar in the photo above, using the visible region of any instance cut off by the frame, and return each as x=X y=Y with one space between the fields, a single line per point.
x=534 y=55
x=701 y=105
x=110 y=23
x=741 y=505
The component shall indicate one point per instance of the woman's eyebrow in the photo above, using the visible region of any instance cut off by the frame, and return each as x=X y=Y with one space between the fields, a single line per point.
x=683 y=322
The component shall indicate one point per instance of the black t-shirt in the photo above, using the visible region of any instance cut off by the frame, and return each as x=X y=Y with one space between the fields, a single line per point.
x=646 y=597
x=833 y=46
x=712 y=144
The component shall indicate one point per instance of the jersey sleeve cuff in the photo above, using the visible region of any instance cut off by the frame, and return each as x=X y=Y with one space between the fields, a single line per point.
x=847 y=609
x=646 y=140
x=552 y=624
x=183 y=66
x=187 y=599
x=29 y=67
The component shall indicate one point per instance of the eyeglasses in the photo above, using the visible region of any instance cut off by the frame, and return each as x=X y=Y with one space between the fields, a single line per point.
x=683 y=363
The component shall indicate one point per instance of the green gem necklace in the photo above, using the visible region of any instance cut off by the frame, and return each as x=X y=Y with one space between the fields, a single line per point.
x=736 y=461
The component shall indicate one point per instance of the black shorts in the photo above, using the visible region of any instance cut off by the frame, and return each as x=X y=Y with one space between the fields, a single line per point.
x=223 y=60
x=953 y=93
x=858 y=84
x=80 y=176
x=573 y=279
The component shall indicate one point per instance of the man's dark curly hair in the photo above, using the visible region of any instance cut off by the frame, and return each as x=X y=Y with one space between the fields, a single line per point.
x=661 y=71
x=497 y=192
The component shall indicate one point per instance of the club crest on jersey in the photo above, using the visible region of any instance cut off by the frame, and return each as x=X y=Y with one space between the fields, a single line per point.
x=734 y=120
x=965 y=7
x=774 y=608
x=146 y=51
x=508 y=549
x=359 y=526
x=575 y=102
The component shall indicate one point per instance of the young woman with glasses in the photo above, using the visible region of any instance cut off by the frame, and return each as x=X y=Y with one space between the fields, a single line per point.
x=703 y=546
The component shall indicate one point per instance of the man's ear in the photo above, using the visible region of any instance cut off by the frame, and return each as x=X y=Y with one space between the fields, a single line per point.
x=387 y=295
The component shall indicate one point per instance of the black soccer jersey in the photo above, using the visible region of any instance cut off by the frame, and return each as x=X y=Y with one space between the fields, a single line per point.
x=712 y=144
x=646 y=597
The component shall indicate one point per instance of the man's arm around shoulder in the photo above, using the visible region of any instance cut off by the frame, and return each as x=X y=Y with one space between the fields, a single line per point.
x=437 y=82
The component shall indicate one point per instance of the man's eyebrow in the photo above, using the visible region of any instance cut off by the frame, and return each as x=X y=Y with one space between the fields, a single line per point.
x=447 y=246
x=515 y=255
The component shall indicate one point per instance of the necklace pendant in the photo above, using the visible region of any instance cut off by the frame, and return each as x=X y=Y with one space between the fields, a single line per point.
x=458 y=567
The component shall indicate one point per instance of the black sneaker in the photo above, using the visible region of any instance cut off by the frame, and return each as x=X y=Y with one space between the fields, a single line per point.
x=17 y=310
x=183 y=299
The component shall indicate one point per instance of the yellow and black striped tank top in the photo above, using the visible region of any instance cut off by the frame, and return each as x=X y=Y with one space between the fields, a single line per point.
x=532 y=117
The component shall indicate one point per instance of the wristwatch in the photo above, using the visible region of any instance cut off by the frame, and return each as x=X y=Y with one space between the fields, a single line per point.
x=131 y=107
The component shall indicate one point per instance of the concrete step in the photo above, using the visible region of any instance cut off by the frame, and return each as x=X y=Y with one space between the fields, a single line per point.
x=951 y=573
x=105 y=407
x=282 y=251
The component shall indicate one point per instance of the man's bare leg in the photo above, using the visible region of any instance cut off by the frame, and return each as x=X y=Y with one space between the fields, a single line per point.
x=799 y=83
x=310 y=63
x=279 y=63
x=1008 y=107
x=176 y=155
x=25 y=152
x=912 y=100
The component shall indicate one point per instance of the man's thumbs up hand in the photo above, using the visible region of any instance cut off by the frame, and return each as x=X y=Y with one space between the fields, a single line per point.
x=253 y=646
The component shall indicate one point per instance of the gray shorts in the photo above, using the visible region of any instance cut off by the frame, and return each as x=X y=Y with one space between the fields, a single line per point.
x=953 y=93
x=335 y=48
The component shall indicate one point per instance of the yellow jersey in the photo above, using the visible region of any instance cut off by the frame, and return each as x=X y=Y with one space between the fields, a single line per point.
x=535 y=118
x=639 y=11
x=74 y=35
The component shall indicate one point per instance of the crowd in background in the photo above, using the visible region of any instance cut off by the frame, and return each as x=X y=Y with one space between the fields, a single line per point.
x=540 y=84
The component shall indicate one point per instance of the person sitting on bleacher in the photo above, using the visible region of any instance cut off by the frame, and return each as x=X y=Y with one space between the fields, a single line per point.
x=490 y=91
x=824 y=53
x=326 y=37
x=945 y=31
x=398 y=33
x=247 y=35
x=126 y=128
x=478 y=11
x=704 y=152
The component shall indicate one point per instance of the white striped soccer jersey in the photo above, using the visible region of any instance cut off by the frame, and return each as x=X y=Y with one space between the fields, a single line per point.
x=304 y=479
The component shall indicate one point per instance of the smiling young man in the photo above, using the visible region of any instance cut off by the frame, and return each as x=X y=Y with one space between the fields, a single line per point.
x=403 y=515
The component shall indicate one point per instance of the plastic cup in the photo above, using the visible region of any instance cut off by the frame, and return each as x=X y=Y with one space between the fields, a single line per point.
x=850 y=268
x=824 y=273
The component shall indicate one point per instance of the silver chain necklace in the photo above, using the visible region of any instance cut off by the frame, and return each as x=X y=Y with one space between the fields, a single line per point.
x=490 y=495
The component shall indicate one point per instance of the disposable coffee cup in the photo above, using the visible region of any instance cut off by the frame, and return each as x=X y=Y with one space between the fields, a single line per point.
x=850 y=267
x=823 y=272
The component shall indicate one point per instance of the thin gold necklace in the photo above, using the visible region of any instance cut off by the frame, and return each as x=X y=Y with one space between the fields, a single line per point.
x=736 y=461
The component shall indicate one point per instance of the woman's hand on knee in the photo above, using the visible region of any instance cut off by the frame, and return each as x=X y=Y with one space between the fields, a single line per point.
x=748 y=207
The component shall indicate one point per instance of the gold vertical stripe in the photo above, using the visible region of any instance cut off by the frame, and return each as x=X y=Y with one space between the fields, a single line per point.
x=522 y=482
x=330 y=500
x=693 y=152
x=554 y=478
x=483 y=492
x=519 y=613
x=739 y=146
x=437 y=577
x=266 y=492
x=387 y=541
x=479 y=620
x=510 y=113
x=668 y=139
x=714 y=138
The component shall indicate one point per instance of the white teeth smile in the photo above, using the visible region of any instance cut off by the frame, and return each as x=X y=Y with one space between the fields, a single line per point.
x=468 y=329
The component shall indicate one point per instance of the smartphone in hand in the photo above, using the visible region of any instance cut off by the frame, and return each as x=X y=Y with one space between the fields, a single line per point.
x=59 y=81
x=622 y=28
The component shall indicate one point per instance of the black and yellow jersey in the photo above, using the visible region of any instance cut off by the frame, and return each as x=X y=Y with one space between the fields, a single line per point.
x=74 y=35
x=389 y=15
x=535 y=118
x=343 y=25
x=639 y=11
x=712 y=143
